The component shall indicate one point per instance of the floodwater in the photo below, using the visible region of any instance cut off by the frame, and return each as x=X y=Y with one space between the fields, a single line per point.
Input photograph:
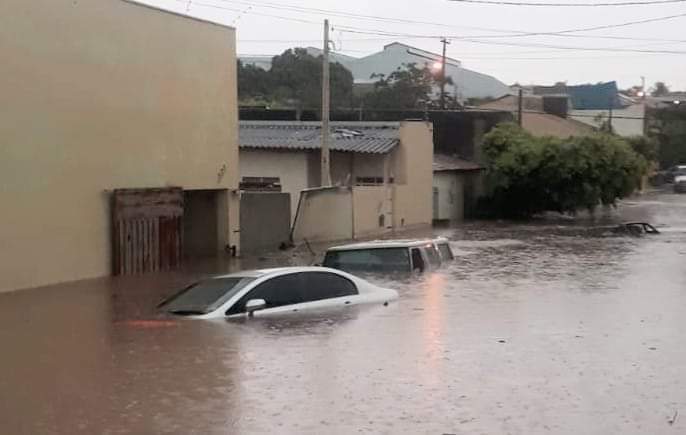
x=546 y=327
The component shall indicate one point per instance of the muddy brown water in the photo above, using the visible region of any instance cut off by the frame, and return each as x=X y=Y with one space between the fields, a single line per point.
x=551 y=326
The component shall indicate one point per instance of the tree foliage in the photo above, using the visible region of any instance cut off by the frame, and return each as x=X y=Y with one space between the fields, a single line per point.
x=668 y=128
x=408 y=87
x=528 y=175
x=295 y=79
x=660 y=89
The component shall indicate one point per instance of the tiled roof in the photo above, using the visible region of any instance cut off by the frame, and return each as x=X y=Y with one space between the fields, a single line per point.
x=356 y=137
x=443 y=162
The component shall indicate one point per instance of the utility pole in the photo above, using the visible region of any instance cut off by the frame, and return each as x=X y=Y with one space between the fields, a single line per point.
x=609 y=117
x=519 y=108
x=643 y=87
x=326 y=103
x=445 y=43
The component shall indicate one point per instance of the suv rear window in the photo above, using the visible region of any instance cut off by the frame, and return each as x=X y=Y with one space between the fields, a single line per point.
x=369 y=260
x=446 y=253
x=433 y=255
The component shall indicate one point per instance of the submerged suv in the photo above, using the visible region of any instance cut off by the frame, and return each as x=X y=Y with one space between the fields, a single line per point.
x=389 y=256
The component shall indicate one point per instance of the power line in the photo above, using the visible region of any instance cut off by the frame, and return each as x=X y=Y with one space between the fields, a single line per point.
x=347 y=29
x=241 y=11
x=521 y=34
x=517 y=33
x=626 y=3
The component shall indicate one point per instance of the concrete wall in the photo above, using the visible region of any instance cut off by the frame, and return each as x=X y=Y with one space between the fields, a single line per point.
x=290 y=166
x=413 y=172
x=100 y=95
x=625 y=122
x=450 y=185
x=371 y=210
x=325 y=214
x=265 y=221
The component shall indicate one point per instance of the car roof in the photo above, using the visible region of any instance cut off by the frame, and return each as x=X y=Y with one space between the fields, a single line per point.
x=380 y=244
x=259 y=273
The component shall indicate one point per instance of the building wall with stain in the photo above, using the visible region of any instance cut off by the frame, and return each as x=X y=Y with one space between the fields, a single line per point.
x=99 y=95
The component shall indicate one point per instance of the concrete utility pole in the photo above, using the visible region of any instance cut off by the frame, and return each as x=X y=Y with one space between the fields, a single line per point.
x=520 y=120
x=326 y=96
x=445 y=43
x=609 y=117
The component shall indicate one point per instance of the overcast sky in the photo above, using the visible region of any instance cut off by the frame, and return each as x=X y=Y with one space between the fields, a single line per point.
x=260 y=31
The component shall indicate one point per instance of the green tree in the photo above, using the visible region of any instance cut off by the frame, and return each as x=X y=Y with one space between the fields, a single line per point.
x=668 y=127
x=297 y=80
x=253 y=82
x=528 y=175
x=660 y=89
x=648 y=147
x=408 y=87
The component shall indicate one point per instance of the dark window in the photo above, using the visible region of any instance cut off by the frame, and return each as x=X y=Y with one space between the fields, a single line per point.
x=205 y=296
x=369 y=260
x=417 y=260
x=261 y=184
x=446 y=253
x=324 y=285
x=371 y=181
x=276 y=292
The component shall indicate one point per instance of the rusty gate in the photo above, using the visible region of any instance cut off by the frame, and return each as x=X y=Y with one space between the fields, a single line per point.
x=147 y=231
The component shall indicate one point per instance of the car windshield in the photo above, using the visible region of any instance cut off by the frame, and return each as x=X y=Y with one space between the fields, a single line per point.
x=205 y=296
x=370 y=260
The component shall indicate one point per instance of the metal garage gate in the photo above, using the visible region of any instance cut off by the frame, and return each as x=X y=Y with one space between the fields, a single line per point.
x=147 y=230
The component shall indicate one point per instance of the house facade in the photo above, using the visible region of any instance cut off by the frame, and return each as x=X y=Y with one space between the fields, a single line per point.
x=119 y=125
x=536 y=121
x=454 y=187
x=380 y=174
x=599 y=105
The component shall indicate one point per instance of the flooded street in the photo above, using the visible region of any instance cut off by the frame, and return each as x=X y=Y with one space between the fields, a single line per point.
x=552 y=326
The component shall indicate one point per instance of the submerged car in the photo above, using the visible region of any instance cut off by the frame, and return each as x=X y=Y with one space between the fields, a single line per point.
x=636 y=228
x=674 y=172
x=680 y=184
x=387 y=256
x=270 y=291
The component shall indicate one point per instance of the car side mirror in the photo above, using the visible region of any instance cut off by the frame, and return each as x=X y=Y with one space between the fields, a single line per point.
x=255 y=305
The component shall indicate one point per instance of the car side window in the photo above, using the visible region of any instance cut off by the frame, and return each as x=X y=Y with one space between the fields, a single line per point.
x=325 y=285
x=417 y=260
x=276 y=292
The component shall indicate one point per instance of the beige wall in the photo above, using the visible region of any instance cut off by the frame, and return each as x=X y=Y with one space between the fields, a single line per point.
x=290 y=166
x=450 y=185
x=98 y=95
x=625 y=122
x=325 y=214
x=369 y=204
x=413 y=172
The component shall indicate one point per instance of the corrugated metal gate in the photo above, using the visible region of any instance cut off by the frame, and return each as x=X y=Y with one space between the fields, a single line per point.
x=147 y=230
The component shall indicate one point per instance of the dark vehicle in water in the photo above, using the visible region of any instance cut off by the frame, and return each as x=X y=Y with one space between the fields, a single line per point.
x=636 y=229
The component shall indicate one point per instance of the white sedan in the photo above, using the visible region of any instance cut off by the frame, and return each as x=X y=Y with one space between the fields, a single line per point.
x=278 y=290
